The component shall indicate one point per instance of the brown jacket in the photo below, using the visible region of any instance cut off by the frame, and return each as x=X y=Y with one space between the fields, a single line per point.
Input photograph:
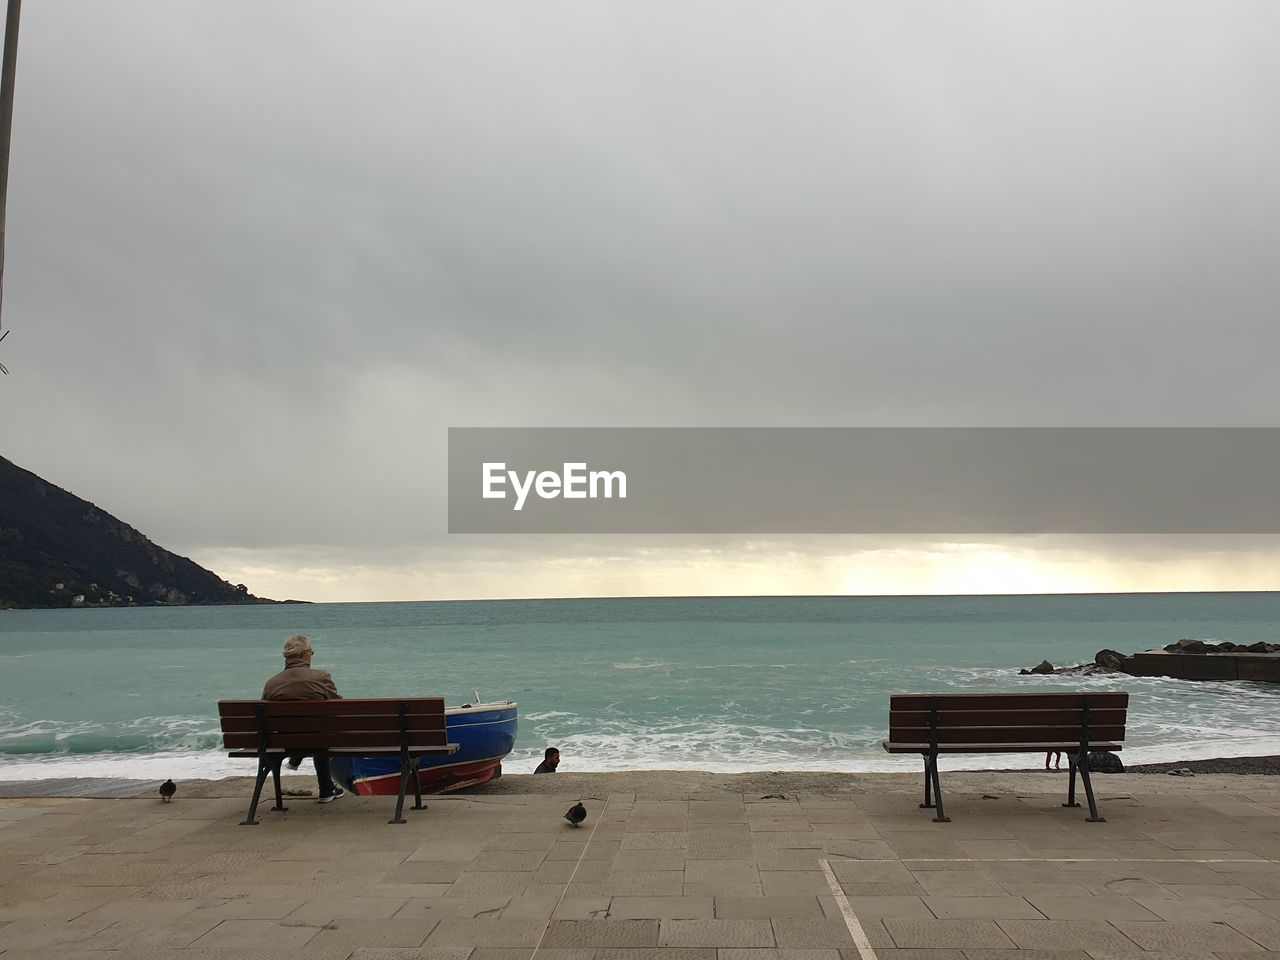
x=297 y=681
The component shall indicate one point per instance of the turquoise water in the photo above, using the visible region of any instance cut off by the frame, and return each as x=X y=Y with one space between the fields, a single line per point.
x=713 y=684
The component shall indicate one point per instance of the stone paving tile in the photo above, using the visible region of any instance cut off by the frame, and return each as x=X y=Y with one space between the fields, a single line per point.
x=1270 y=907
x=645 y=908
x=782 y=883
x=809 y=933
x=946 y=933
x=452 y=908
x=582 y=908
x=507 y=860
x=789 y=859
x=655 y=841
x=644 y=883
x=722 y=850
x=870 y=871
x=1132 y=887
x=521 y=841
x=979 y=908
x=721 y=871
x=133 y=935
x=904 y=889
x=1039 y=889
x=878 y=907
x=1093 y=908
x=453 y=933
x=425 y=871
x=237 y=935
x=602 y=933
x=958 y=883
x=321 y=910
x=489 y=884
x=1219 y=891
x=1041 y=955
x=36 y=934
x=651 y=860
x=1190 y=909
x=723 y=890
x=777 y=953
x=1266 y=932
x=353 y=933
x=146 y=911
x=716 y=933
x=653 y=953
x=795 y=839
x=447 y=850
x=408 y=891
x=418 y=953
x=1194 y=938
x=1088 y=935
x=533 y=904
x=767 y=908
x=521 y=953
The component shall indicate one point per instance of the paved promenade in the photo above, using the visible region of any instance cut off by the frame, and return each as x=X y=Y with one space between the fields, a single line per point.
x=1179 y=869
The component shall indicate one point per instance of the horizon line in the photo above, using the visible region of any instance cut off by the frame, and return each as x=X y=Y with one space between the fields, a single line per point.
x=799 y=596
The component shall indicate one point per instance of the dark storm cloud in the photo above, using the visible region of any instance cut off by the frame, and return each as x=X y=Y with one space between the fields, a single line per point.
x=262 y=255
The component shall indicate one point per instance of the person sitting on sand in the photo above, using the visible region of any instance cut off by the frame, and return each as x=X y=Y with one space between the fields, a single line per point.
x=550 y=760
x=298 y=681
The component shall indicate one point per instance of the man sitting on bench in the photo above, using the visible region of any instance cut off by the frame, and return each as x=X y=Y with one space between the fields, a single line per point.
x=298 y=681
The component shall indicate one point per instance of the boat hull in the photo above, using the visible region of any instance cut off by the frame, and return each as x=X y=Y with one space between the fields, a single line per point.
x=485 y=733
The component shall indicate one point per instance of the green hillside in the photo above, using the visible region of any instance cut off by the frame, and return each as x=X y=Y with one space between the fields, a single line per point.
x=57 y=550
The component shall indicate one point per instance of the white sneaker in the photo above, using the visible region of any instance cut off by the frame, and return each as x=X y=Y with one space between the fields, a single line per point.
x=338 y=794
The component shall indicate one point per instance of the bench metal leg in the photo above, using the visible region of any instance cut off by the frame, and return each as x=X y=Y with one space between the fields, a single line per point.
x=928 y=786
x=404 y=786
x=275 y=776
x=252 y=820
x=1071 y=785
x=1080 y=764
x=417 y=788
x=1088 y=791
x=937 y=791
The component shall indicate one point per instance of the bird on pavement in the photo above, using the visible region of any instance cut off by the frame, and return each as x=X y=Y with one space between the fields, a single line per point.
x=167 y=790
x=577 y=814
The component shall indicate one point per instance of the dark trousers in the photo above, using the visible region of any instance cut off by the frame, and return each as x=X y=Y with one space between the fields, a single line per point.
x=324 y=779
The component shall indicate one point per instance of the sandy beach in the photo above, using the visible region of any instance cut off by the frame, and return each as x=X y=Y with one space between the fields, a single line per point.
x=669 y=866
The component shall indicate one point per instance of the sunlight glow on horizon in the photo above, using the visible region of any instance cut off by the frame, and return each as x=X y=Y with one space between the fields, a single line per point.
x=939 y=569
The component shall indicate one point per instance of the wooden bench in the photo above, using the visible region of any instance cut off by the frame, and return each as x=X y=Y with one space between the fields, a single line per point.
x=1070 y=723
x=272 y=730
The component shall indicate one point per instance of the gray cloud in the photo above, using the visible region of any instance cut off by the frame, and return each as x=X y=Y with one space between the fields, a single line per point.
x=260 y=257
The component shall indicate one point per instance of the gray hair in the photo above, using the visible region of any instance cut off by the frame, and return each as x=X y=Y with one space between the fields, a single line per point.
x=296 y=646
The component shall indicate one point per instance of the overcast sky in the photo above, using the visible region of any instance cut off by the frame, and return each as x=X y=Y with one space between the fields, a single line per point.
x=261 y=255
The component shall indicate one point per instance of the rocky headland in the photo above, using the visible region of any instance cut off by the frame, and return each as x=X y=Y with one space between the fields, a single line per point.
x=1214 y=661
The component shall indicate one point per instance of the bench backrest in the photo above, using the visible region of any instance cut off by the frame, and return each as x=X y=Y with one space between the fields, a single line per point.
x=385 y=724
x=1006 y=717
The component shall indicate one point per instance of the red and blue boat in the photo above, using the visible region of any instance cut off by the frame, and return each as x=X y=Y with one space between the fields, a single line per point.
x=484 y=732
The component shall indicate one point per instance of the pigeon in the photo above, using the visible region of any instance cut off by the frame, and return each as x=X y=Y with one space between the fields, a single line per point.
x=167 y=790
x=577 y=814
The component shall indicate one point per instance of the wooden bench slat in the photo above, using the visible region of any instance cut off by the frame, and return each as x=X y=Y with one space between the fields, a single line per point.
x=997 y=718
x=416 y=751
x=1006 y=701
x=389 y=740
x=382 y=706
x=322 y=724
x=1061 y=747
x=978 y=735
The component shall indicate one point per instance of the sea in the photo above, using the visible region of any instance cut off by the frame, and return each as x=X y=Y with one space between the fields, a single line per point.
x=717 y=684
